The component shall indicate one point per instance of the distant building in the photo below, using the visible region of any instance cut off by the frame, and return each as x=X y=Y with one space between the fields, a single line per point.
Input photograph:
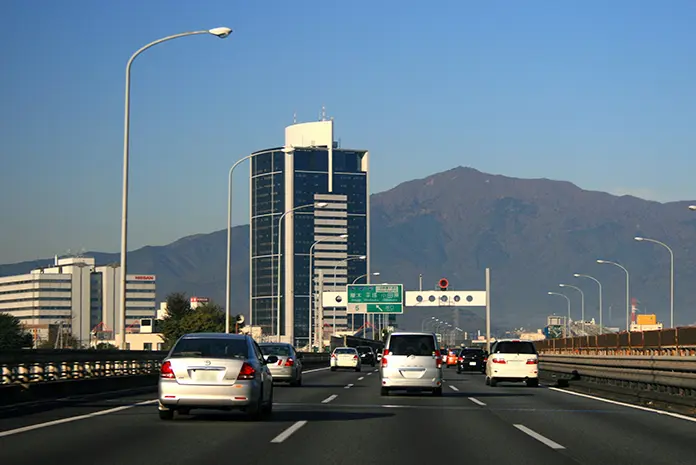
x=198 y=301
x=77 y=295
x=310 y=168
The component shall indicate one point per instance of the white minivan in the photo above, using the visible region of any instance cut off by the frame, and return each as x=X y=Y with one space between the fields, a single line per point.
x=411 y=361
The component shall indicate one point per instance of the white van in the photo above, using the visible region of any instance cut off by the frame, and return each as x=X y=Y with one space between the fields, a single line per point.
x=411 y=361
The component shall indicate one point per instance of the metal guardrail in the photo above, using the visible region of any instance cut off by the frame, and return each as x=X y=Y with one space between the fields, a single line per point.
x=667 y=374
x=665 y=342
x=42 y=366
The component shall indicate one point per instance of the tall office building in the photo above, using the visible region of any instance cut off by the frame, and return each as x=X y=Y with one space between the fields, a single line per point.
x=77 y=295
x=320 y=191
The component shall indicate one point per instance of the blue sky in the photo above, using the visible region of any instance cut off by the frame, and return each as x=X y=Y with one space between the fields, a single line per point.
x=598 y=93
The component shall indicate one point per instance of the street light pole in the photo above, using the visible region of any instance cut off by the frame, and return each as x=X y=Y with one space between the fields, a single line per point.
x=353 y=257
x=628 y=290
x=311 y=282
x=582 y=302
x=671 y=275
x=568 y=299
x=601 y=327
x=220 y=32
x=280 y=242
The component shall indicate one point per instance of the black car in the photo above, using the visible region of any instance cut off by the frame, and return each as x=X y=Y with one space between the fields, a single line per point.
x=367 y=355
x=471 y=359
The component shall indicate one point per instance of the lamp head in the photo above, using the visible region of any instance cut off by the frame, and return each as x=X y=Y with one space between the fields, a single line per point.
x=362 y=257
x=601 y=261
x=220 y=32
x=376 y=273
x=692 y=207
x=561 y=285
x=576 y=275
x=638 y=238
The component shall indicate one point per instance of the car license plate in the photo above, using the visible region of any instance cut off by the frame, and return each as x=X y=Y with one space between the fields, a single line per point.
x=206 y=375
x=472 y=363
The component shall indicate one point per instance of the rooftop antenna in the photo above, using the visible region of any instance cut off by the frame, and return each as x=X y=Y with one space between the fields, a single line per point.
x=323 y=113
x=294 y=118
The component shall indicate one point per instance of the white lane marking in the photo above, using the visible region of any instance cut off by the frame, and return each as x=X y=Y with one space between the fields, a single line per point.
x=288 y=432
x=477 y=402
x=349 y=386
x=454 y=388
x=376 y=370
x=71 y=419
x=369 y=374
x=539 y=437
x=623 y=404
x=361 y=378
x=329 y=399
x=316 y=369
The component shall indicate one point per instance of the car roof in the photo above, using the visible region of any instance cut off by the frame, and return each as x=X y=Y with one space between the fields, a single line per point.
x=345 y=347
x=412 y=333
x=275 y=344
x=214 y=336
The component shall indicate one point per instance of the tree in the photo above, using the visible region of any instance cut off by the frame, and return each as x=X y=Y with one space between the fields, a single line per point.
x=12 y=335
x=181 y=319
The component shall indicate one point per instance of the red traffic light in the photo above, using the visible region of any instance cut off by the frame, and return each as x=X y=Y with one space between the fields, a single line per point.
x=444 y=284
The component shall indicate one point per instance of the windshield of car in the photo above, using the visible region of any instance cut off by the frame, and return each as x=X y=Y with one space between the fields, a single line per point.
x=420 y=345
x=279 y=350
x=364 y=350
x=210 y=348
x=345 y=350
x=515 y=347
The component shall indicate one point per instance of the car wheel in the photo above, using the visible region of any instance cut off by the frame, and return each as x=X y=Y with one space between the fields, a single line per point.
x=268 y=408
x=357 y=369
x=373 y=364
x=167 y=414
x=533 y=382
x=488 y=381
x=384 y=391
x=494 y=382
x=297 y=382
x=333 y=368
x=255 y=410
x=437 y=392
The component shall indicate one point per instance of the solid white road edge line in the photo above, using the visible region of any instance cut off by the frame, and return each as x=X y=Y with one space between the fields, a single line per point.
x=623 y=404
x=454 y=388
x=329 y=399
x=477 y=402
x=539 y=437
x=288 y=432
x=315 y=370
x=71 y=419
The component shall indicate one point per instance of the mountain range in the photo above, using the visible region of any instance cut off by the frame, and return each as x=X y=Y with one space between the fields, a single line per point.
x=532 y=233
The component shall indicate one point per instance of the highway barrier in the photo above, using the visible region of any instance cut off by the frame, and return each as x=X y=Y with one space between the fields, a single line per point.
x=33 y=375
x=670 y=379
x=668 y=342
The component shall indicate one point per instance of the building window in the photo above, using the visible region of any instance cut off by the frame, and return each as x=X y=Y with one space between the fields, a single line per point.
x=311 y=160
x=347 y=161
x=147 y=346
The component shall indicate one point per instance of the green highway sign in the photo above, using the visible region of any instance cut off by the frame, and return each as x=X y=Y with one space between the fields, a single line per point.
x=385 y=308
x=375 y=294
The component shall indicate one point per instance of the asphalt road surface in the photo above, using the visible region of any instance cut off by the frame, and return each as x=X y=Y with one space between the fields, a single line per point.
x=340 y=418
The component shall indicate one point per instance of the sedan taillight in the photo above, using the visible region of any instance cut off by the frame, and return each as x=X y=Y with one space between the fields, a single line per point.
x=166 y=370
x=498 y=360
x=246 y=372
x=532 y=361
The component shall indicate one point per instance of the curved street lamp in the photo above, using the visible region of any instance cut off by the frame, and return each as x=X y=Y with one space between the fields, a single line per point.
x=221 y=32
x=577 y=275
x=671 y=275
x=582 y=302
x=628 y=290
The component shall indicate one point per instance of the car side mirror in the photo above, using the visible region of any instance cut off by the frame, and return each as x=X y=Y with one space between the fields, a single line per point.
x=272 y=359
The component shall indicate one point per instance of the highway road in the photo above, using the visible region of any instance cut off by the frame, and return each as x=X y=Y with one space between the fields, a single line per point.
x=340 y=418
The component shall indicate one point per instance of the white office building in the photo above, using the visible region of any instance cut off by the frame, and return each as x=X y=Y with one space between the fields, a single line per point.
x=78 y=296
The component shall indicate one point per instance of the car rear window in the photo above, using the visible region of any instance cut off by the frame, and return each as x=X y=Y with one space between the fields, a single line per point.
x=515 y=347
x=420 y=345
x=277 y=350
x=344 y=351
x=210 y=348
x=364 y=350
x=472 y=352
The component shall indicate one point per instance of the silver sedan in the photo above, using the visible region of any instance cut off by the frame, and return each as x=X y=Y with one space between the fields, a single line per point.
x=289 y=365
x=216 y=371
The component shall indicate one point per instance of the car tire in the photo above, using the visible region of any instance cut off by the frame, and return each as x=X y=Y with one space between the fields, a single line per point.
x=494 y=382
x=267 y=409
x=357 y=369
x=384 y=391
x=488 y=381
x=533 y=382
x=167 y=414
x=297 y=382
x=255 y=411
x=437 y=392
x=333 y=368
x=373 y=364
